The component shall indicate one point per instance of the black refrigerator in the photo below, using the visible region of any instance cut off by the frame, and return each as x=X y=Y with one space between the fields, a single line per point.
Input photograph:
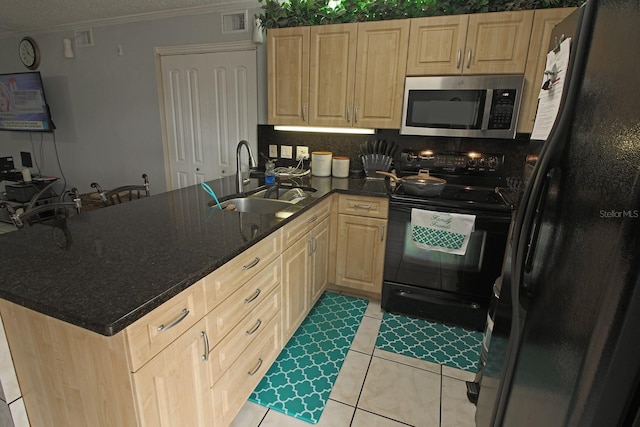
x=565 y=347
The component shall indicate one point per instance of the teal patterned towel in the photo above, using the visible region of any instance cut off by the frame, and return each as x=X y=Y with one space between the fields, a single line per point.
x=441 y=231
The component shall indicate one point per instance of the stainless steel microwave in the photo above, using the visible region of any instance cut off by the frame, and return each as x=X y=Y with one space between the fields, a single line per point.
x=465 y=106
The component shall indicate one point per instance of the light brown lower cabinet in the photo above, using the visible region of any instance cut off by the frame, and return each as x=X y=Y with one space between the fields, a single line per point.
x=360 y=260
x=360 y=244
x=173 y=388
x=305 y=265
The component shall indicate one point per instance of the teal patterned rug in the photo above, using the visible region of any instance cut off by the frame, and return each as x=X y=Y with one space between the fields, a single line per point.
x=434 y=342
x=300 y=380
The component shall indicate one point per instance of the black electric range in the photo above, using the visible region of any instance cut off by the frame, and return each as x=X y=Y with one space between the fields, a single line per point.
x=449 y=288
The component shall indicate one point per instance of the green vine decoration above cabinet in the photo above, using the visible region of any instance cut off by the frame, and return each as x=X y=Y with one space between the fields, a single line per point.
x=296 y=13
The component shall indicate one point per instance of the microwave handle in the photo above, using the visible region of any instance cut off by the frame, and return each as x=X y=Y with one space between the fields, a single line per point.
x=488 y=106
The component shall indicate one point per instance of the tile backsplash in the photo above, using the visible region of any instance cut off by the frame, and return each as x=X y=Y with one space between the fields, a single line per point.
x=349 y=145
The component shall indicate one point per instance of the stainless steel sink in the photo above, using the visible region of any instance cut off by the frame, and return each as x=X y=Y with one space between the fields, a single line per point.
x=292 y=193
x=254 y=205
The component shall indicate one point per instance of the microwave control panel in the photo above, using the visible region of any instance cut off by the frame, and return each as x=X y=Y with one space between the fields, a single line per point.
x=502 y=107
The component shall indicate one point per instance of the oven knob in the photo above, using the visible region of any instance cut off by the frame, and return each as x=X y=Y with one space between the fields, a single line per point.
x=472 y=162
x=482 y=162
x=493 y=161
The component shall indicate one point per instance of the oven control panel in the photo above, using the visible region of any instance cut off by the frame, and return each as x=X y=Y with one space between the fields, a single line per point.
x=452 y=162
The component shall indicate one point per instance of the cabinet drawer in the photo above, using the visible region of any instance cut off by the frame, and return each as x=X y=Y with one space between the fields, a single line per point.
x=301 y=225
x=228 y=278
x=223 y=355
x=245 y=300
x=376 y=207
x=236 y=385
x=153 y=332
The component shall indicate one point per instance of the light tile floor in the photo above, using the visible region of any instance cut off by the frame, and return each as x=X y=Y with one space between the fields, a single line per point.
x=377 y=388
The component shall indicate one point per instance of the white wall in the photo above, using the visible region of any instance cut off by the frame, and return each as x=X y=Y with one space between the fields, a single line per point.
x=106 y=107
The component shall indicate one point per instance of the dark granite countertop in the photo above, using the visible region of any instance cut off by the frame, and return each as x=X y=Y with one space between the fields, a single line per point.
x=109 y=267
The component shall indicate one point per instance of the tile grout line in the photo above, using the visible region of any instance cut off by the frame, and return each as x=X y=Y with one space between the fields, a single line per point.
x=361 y=388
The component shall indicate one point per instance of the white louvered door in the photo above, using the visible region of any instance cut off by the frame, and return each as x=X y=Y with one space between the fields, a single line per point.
x=210 y=103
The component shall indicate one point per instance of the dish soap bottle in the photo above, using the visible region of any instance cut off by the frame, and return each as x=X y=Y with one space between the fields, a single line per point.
x=269 y=173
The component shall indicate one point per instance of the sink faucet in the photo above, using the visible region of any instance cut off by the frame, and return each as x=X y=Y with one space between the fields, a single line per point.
x=252 y=165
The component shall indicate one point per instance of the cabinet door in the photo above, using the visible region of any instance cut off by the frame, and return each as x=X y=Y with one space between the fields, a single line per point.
x=543 y=22
x=288 y=75
x=320 y=260
x=295 y=285
x=173 y=388
x=497 y=43
x=381 y=65
x=360 y=253
x=436 y=45
x=332 y=62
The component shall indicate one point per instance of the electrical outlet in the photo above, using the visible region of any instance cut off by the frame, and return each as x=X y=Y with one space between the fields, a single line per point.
x=302 y=152
x=273 y=151
x=286 y=152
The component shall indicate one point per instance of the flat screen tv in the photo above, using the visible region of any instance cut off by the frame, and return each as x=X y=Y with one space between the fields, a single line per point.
x=23 y=106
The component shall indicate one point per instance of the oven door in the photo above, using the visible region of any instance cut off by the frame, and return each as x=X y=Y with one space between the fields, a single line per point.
x=444 y=287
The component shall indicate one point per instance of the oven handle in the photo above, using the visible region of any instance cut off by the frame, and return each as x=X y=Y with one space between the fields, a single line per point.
x=493 y=216
x=436 y=299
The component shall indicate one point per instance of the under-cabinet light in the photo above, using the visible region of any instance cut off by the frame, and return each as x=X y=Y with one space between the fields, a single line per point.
x=361 y=131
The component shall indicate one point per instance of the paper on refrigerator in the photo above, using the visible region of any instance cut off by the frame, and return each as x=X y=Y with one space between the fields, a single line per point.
x=549 y=100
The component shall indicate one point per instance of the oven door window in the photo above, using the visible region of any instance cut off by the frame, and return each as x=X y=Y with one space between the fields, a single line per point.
x=470 y=274
x=448 y=109
x=471 y=261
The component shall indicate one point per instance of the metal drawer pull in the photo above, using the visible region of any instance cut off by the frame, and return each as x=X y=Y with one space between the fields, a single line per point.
x=304 y=113
x=312 y=219
x=254 y=370
x=469 y=58
x=458 y=58
x=355 y=114
x=180 y=318
x=255 y=328
x=359 y=206
x=252 y=297
x=382 y=234
x=205 y=356
x=251 y=264
x=348 y=118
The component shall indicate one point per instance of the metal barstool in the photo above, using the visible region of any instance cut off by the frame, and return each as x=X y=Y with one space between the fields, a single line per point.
x=113 y=197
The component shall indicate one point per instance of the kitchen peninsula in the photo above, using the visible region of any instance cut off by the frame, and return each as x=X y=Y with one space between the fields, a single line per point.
x=103 y=309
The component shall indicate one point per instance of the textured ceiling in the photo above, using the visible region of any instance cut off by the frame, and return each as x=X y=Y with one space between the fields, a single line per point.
x=20 y=16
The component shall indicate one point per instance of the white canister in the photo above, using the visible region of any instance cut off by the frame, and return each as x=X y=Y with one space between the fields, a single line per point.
x=340 y=167
x=321 y=163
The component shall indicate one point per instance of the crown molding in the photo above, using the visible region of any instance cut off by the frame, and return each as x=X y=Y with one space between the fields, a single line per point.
x=140 y=17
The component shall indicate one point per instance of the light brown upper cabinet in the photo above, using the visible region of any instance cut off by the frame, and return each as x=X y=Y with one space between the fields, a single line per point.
x=332 y=72
x=482 y=43
x=543 y=22
x=355 y=74
x=288 y=75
